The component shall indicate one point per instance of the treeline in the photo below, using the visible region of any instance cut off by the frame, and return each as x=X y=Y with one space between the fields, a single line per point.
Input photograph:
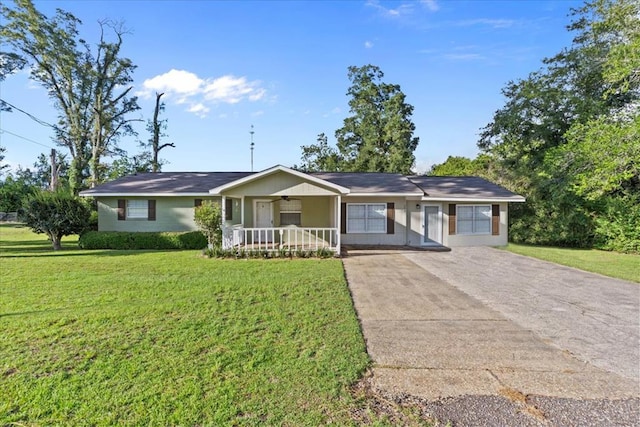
x=568 y=137
x=91 y=87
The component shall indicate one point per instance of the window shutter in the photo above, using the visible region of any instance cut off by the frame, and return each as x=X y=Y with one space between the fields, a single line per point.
x=391 y=218
x=197 y=202
x=495 y=220
x=152 y=210
x=452 y=218
x=122 y=209
x=343 y=218
x=228 y=209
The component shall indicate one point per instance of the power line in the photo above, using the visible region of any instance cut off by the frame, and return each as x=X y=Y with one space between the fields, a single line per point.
x=31 y=116
x=25 y=138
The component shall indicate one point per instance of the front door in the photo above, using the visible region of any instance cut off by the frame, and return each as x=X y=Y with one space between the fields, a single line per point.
x=263 y=218
x=432 y=223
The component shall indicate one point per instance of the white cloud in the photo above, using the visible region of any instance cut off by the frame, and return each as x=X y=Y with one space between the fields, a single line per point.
x=368 y=44
x=179 y=82
x=257 y=113
x=232 y=90
x=184 y=87
x=404 y=9
x=199 y=110
x=432 y=5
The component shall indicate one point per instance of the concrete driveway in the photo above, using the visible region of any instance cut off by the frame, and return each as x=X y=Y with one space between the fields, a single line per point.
x=480 y=321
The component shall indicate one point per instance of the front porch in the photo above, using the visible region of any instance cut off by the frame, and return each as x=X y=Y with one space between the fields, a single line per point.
x=288 y=238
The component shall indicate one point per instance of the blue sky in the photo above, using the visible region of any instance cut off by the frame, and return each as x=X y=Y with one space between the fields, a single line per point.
x=282 y=67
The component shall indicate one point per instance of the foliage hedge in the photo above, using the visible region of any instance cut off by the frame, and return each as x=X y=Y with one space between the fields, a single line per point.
x=142 y=240
x=618 y=227
x=235 y=253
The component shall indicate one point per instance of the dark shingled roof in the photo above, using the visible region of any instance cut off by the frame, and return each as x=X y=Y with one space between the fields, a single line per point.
x=370 y=182
x=177 y=183
x=167 y=182
x=461 y=187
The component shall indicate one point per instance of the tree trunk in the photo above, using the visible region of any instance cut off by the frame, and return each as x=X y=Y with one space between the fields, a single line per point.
x=156 y=134
x=56 y=241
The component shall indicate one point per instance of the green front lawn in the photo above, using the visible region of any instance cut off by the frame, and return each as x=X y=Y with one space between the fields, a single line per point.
x=170 y=338
x=613 y=264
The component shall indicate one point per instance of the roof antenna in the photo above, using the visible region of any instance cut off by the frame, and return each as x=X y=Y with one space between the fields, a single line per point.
x=252 y=145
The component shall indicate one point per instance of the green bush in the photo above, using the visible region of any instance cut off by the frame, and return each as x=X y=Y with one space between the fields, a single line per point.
x=618 y=226
x=560 y=220
x=142 y=240
x=93 y=221
x=240 y=253
x=55 y=214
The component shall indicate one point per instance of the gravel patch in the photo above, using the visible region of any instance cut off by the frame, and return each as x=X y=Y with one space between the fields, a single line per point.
x=510 y=408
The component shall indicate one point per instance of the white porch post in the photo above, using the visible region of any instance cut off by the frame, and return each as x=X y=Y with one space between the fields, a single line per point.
x=225 y=243
x=338 y=223
x=242 y=212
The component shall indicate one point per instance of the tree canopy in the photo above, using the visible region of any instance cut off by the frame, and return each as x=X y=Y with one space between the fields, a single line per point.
x=376 y=137
x=55 y=214
x=567 y=137
x=90 y=87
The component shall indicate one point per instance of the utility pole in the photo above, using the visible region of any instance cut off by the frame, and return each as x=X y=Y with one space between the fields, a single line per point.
x=252 y=145
x=54 y=171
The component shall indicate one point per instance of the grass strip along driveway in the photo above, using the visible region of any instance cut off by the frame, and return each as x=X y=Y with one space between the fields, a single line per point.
x=612 y=264
x=170 y=338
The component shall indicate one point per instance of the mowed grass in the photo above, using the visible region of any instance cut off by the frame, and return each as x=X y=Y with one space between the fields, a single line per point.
x=612 y=264
x=170 y=338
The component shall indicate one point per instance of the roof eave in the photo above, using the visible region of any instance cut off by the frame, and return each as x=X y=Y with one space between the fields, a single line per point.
x=517 y=199
x=385 y=194
x=134 y=194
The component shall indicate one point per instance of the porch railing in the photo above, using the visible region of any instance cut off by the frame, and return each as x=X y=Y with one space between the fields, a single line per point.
x=281 y=238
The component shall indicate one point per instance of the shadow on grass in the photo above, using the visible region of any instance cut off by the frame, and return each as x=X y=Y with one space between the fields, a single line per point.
x=23 y=243
x=48 y=310
x=75 y=252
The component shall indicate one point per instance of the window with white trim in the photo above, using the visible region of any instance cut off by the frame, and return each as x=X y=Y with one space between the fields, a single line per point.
x=137 y=208
x=366 y=218
x=290 y=212
x=473 y=219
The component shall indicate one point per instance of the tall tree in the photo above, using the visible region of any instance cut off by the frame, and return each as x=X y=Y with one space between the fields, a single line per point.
x=90 y=90
x=551 y=131
x=319 y=157
x=378 y=136
x=157 y=129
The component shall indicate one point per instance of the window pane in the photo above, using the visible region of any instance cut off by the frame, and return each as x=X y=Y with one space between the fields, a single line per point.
x=465 y=226
x=366 y=218
x=474 y=219
x=465 y=213
x=290 y=205
x=482 y=212
x=482 y=219
x=376 y=211
x=356 y=211
x=376 y=225
x=290 y=218
x=355 y=225
x=137 y=208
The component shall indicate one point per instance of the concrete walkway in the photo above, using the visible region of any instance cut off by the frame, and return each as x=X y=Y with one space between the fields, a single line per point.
x=430 y=339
